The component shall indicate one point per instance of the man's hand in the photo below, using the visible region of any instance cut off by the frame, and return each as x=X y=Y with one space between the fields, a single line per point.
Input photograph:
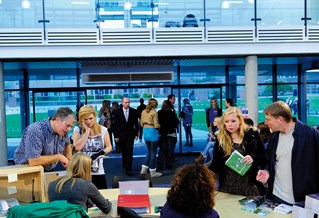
x=117 y=139
x=64 y=161
x=262 y=176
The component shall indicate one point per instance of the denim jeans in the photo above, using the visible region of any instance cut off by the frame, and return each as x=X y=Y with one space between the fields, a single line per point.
x=150 y=159
x=208 y=151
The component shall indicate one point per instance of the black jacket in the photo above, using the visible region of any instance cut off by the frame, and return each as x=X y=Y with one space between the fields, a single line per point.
x=304 y=163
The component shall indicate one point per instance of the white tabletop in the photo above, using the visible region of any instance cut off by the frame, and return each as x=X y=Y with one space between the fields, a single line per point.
x=226 y=205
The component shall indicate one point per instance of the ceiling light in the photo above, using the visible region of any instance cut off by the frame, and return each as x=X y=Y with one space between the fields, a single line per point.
x=127 y=6
x=25 y=4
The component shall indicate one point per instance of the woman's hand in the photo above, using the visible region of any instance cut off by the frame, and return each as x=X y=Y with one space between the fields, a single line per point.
x=248 y=159
x=87 y=129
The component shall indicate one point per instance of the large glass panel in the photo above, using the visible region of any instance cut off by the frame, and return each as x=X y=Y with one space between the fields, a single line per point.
x=14 y=120
x=277 y=13
x=312 y=79
x=74 y=14
x=229 y=13
x=128 y=14
x=287 y=73
x=312 y=12
x=177 y=13
x=199 y=99
x=265 y=74
x=265 y=98
x=52 y=78
x=289 y=93
x=20 y=14
x=202 y=75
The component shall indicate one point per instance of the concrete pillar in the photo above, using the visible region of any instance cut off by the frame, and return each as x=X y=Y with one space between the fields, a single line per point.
x=251 y=83
x=3 y=129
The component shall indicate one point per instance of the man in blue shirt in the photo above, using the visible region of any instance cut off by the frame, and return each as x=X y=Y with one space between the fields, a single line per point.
x=46 y=142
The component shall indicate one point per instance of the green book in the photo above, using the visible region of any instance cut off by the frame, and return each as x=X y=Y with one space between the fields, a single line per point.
x=235 y=162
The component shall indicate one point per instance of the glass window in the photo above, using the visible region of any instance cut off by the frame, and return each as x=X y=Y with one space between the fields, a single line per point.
x=52 y=78
x=20 y=14
x=13 y=79
x=237 y=75
x=265 y=74
x=276 y=13
x=229 y=13
x=202 y=75
x=287 y=73
x=312 y=9
x=66 y=14
x=265 y=98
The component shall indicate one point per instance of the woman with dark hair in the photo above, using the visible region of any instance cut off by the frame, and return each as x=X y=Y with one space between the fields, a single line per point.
x=149 y=122
x=192 y=193
x=264 y=132
x=168 y=125
x=211 y=113
x=76 y=187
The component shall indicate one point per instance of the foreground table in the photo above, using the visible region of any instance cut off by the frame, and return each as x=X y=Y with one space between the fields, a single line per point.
x=226 y=205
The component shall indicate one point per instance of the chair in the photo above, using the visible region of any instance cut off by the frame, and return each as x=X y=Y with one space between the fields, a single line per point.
x=169 y=24
x=117 y=179
x=190 y=21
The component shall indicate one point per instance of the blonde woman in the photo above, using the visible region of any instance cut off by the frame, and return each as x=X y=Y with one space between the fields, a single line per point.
x=149 y=122
x=76 y=187
x=235 y=135
x=93 y=140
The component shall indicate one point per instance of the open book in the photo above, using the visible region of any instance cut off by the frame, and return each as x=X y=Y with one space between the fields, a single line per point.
x=235 y=162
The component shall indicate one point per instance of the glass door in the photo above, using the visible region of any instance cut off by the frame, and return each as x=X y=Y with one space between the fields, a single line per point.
x=193 y=138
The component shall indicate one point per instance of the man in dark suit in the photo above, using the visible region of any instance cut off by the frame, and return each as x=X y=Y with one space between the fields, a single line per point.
x=125 y=131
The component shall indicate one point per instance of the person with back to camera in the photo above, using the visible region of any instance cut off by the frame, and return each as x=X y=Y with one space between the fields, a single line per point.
x=235 y=135
x=140 y=109
x=92 y=139
x=192 y=193
x=264 y=133
x=149 y=122
x=76 y=187
x=187 y=115
x=292 y=169
x=229 y=103
x=46 y=142
x=168 y=124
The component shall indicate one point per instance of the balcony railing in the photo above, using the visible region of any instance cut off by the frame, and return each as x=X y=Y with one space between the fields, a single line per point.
x=53 y=37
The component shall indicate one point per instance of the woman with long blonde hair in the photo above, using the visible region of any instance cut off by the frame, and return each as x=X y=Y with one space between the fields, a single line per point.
x=76 y=187
x=93 y=140
x=235 y=135
x=149 y=122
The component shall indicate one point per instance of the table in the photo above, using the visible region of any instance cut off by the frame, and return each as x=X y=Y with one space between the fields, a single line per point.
x=226 y=205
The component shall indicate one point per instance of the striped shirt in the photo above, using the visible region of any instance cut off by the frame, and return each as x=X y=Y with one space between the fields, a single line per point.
x=39 y=139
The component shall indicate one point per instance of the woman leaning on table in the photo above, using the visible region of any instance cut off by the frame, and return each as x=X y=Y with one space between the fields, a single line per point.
x=235 y=135
x=192 y=193
x=76 y=187
x=92 y=139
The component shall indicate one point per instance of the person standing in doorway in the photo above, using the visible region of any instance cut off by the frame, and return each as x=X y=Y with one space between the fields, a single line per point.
x=171 y=99
x=211 y=113
x=139 y=109
x=125 y=131
x=187 y=115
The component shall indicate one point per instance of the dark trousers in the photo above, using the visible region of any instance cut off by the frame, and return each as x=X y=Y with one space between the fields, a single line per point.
x=140 y=131
x=166 y=152
x=189 y=135
x=126 y=147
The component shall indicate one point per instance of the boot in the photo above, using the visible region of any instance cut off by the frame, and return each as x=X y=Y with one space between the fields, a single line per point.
x=154 y=173
x=144 y=170
x=199 y=159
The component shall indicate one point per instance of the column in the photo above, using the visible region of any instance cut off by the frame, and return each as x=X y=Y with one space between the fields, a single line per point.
x=3 y=129
x=251 y=83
